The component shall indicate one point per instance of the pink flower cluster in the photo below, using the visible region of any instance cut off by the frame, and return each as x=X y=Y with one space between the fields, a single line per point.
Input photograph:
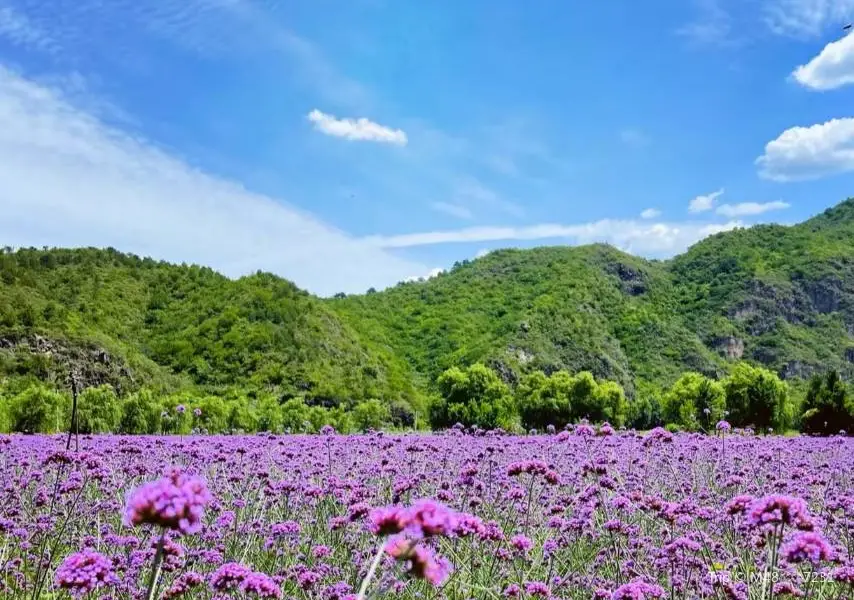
x=175 y=502
x=84 y=572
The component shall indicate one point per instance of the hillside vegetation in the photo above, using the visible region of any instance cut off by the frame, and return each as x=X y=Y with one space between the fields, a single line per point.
x=782 y=297
x=774 y=296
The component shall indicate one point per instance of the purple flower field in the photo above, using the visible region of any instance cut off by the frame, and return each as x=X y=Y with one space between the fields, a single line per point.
x=582 y=515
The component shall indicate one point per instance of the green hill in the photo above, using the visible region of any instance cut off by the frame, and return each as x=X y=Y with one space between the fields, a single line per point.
x=127 y=321
x=778 y=296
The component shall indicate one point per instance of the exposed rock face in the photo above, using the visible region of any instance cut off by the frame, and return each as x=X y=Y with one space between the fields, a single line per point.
x=93 y=365
x=730 y=347
x=522 y=355
x=632 y=280
x=796 y=369
x=504 y=371
x=825 y=294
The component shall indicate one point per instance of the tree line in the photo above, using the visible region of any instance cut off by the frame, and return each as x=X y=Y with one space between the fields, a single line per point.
x=474 y=396
x=749 y=396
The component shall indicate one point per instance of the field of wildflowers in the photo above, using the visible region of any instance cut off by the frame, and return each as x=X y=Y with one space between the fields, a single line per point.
x=581 y=514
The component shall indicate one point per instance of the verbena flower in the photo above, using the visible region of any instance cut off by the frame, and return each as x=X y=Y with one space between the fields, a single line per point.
x=175 y=502
x=183 y=584
x=777 y=509
x=638 y=590
x=229 y=576
x=260 y=585
x=84 y=572
x=809 y=546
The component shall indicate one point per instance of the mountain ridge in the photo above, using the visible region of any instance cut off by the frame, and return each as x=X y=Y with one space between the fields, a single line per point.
x=779 y=296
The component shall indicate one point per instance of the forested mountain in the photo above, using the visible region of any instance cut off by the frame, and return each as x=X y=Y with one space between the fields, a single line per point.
x=779 y=296
x=782 y=297
x=127 y=321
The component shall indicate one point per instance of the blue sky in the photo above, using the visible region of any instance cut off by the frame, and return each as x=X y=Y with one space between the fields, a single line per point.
x=353 y=144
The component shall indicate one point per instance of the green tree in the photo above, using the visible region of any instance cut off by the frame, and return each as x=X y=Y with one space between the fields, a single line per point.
x=295 y=416
x=544 y=400
x=827 y=407
x=39 y=409
x=757 y=397
x=694 y=402
x=214 y=417
x=269 y=414
x=612 y=404
x=370 y=414
x=474 y=396
x=241 y=416
x=98 y=410
x=140 y=413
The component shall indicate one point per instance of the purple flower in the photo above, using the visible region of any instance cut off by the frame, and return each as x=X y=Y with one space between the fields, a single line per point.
x=260 y=585
x=638 y=590
x=176 y=502
x=327 y=430
x=229 y=576
x=84 y=572
x=778 y=509
x=808 y=546
x=197 y=412
x=537 y=588
x=387 y=521
x=180 y=409
x=723 y=425
x=521 y=543
x=429 y=518
x=183 y=584
x=422 y=562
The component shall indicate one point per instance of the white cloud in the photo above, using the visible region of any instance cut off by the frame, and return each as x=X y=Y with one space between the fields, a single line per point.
x=356 y=129
x=632 y=236
x=704 y=203
x=67 y=179
x=802 y=18
x=454 y=210
x=650 y=213
x=832 y=68
x=802 y=153
x=748 y=209
x=435 y=272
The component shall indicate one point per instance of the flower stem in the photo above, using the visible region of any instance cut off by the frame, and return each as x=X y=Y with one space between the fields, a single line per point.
x=371 y=571
x=154 y=579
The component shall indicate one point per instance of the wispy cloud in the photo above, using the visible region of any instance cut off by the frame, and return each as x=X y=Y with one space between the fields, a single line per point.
x=705 y=202
x=454 y=210
x=712 y=26
x=356 y=129
x=749 y=209
x=471 y=189
x=67 y=179
x=650 y=213
x=802 y=153
x=633 y=236
x=806 y=18
x=832 y=68
x=18 y=29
